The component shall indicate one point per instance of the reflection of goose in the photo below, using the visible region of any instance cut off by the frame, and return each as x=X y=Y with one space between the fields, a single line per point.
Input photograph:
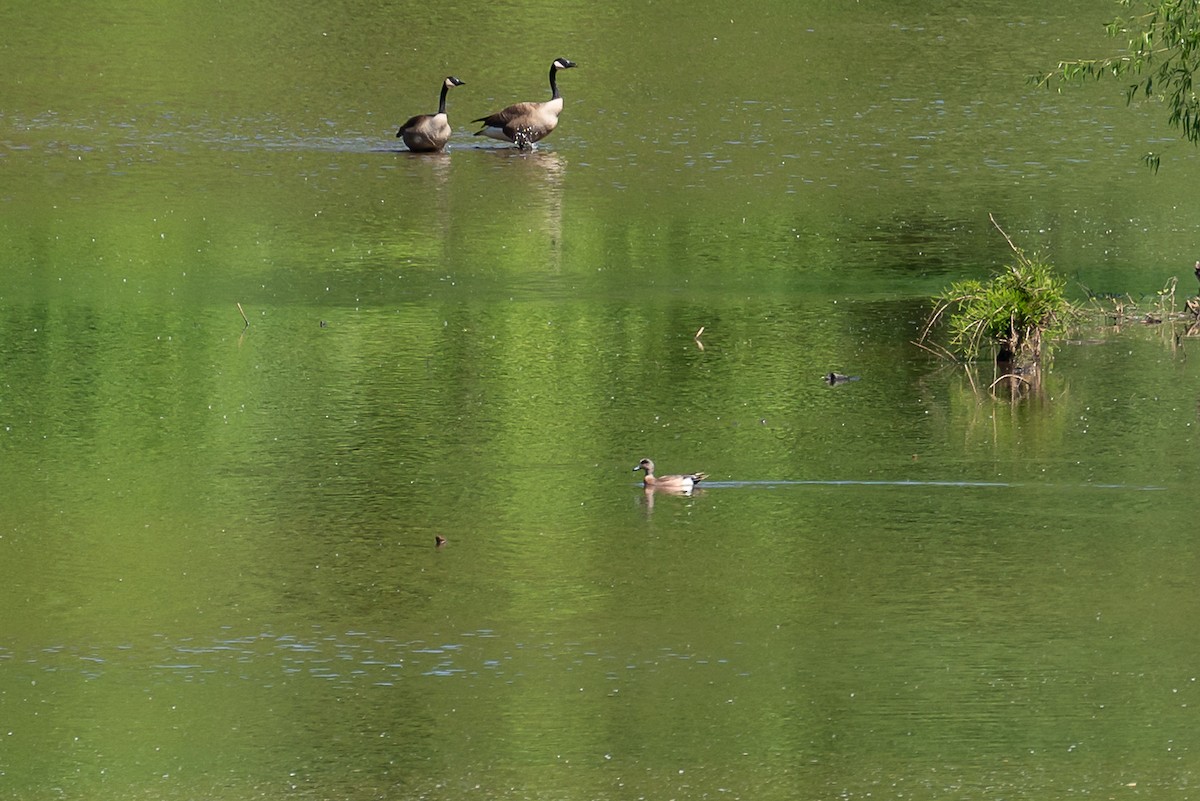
x=526 y=123
x=684 y=483
x=428 y=133
x=538 y=164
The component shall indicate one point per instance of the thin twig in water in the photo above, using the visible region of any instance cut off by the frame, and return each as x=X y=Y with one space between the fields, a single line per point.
x=244 y=317
x=937 y=350
x=971 y=378
x=1015 y=249
x=1008 y=375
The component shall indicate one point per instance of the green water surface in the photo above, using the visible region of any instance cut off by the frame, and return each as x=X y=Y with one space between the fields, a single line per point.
x=218 y=577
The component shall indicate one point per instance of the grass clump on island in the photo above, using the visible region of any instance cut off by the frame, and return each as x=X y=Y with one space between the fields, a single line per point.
x=1017 y=312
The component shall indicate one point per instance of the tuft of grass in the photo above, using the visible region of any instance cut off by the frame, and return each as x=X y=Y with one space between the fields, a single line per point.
x=1017 y=311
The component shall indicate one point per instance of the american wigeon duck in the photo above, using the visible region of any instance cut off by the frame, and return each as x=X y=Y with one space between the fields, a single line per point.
x=526 y=123
x=429 y=133
x=683 y=483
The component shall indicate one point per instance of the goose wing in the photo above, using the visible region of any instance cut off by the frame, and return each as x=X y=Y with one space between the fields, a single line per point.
x=506 y=115
x=413 y=122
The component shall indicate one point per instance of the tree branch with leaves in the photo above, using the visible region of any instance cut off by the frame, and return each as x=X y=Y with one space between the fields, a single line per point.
x=1161 y=59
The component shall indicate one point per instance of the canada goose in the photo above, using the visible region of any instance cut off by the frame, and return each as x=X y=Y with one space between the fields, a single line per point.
x=428 y=133
x=683 y=483
x=526 y=123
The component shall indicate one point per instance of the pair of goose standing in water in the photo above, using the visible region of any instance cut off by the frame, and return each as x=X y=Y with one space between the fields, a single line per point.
x=523 y=124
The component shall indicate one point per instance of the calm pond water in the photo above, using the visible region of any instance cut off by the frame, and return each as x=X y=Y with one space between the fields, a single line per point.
x=218 y=577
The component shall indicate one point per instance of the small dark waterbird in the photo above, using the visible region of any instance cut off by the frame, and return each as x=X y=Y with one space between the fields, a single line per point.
x=680 y=483
x=524 y=124
x=429 y=133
